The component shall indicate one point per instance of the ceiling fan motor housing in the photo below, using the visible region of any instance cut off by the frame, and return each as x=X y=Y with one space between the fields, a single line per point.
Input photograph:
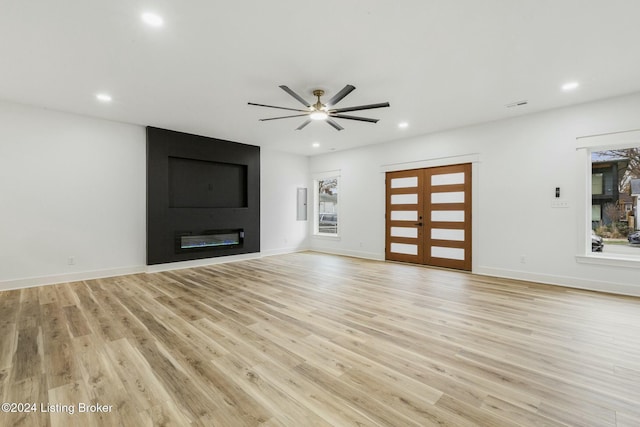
x=319 y=106
x=323 y=112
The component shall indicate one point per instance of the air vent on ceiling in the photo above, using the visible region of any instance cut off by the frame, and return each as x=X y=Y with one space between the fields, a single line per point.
x=517 y=104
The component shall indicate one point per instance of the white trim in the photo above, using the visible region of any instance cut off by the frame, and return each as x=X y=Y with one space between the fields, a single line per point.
x=355 y=254
x=563 y=281
x=609 y=140
x=71 y=277
x=324 y=175
x=584 y=199
x=617 y=261
x=475 y=214
x=586 y=146
x=316 y=202
x=326 y=236
x=430 y=163
x=547 y=279
x=31 y=282
x=283 y=251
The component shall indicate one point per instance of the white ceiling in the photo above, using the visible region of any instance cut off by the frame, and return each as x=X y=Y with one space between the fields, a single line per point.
x=440 y=63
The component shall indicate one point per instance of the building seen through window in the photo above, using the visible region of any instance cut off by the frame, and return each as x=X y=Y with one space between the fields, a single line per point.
x=615 y=191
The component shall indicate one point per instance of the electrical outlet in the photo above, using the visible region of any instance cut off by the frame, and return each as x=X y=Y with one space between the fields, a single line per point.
x=523 y=259
x=71 y=260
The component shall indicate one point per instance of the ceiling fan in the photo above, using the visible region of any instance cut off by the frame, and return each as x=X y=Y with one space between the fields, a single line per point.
x=323 y=112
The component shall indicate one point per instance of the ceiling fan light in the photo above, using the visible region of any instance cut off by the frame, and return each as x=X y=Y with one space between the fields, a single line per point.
x=318 y=115
x=152 y=19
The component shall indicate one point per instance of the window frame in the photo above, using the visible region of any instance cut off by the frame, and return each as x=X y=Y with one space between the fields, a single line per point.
x=586 y=145
x=322 y=176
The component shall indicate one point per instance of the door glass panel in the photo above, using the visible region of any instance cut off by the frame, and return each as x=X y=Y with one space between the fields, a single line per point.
x=447 y=216
x=404 y=215
x=448 y=197
x=448 y=178
x=448 y=253
x=447 y=234
x=408 y=182
x=404 y=232
x=404 y=248
x=404 y=199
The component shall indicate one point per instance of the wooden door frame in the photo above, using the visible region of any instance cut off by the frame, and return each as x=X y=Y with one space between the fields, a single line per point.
x=474 y=159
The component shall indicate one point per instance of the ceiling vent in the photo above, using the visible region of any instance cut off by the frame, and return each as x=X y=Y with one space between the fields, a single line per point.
x=517 y=104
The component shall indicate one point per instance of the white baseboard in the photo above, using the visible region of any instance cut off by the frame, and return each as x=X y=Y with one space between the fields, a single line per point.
x=566 y=281
x=70 y=277
x=284 y=251
x=101 y=274
x=355 y=254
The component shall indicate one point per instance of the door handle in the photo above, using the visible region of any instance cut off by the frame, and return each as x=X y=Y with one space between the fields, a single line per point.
x=418 y=224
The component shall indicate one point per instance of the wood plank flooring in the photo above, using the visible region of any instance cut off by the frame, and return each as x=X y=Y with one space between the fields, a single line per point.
x=311 y=339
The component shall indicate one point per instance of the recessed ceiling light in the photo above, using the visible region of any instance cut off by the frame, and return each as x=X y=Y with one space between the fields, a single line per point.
x=570 y=86
x=103 y=97
x=152 y=19
x=315 y=145
x=403 y=125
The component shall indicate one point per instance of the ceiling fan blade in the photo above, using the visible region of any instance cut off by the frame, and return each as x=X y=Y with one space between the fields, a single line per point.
x=334 y=124
x=362 y=119
x=295 y=95
x=360 y=107
x=273 y=106
x=282 y=117
x=338 y=96
x=303 y=124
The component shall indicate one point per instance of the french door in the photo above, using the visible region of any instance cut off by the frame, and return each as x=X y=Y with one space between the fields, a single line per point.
x=428 y=216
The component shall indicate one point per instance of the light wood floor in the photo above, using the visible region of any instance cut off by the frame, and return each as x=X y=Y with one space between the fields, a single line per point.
x=310 y=339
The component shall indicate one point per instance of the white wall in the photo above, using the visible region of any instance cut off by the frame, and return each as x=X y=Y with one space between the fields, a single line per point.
x=70 y=186
x=74 y=186
x=281 y=175
x=521 y=161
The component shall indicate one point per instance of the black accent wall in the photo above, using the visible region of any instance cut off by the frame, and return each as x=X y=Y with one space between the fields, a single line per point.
x=200 y=186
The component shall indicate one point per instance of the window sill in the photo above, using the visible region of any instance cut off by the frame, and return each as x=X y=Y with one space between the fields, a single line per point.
x=609 y=260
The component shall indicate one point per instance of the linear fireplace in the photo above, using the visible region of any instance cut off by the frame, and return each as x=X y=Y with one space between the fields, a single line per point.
x=209 y=239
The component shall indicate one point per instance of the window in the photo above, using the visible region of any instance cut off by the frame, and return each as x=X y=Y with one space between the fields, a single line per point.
x=326 y=205
x=595 y=213
x=596 y=183
x=615 y=182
